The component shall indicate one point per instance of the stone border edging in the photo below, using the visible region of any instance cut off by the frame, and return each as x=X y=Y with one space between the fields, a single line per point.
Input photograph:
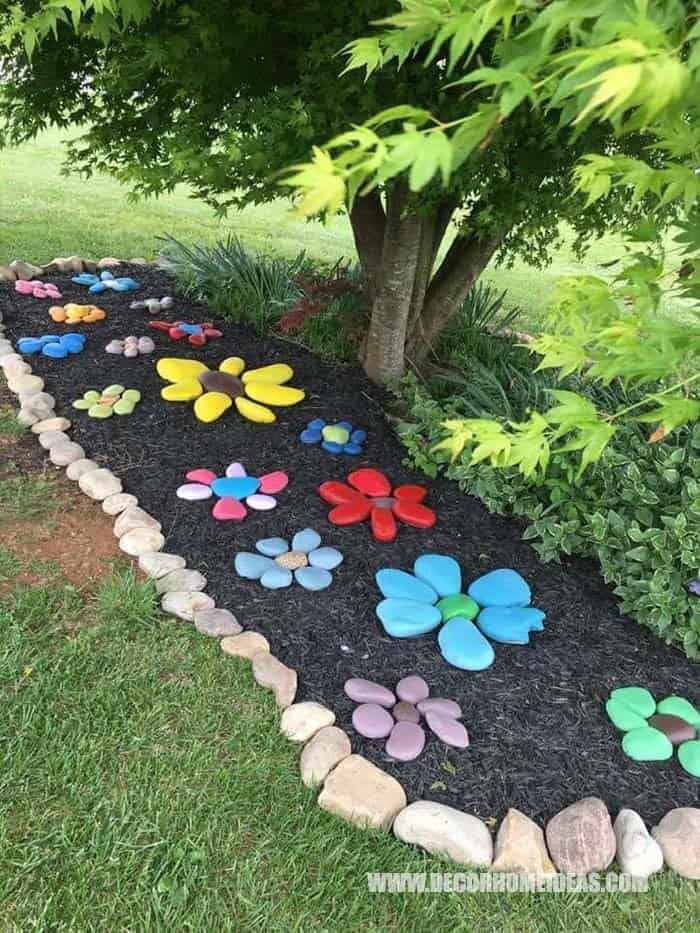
x=580 y=839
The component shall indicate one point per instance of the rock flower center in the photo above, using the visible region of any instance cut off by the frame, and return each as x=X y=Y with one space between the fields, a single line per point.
x=384 y=502
x=221 y=382
x=292 y=560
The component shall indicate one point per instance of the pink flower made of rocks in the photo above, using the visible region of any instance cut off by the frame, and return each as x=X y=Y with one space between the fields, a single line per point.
x=233 y=489
x=381 y=715
x=36 y=289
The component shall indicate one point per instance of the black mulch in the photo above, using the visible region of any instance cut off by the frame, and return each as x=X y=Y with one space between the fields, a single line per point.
x=539 y=735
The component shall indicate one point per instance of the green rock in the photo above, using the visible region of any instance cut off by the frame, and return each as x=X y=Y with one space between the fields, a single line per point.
x=623 y=717
x=114 y=389
x=458 y=605
x=647 y=744
x=636 y=699
x=123 y=407
x=132 y=395
x=689 y=757
x=100 y=411
x=679 y=706
x=82 y=404
x=336 y=435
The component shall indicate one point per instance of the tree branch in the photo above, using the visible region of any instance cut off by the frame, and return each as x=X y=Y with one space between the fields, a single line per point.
x=368 y=222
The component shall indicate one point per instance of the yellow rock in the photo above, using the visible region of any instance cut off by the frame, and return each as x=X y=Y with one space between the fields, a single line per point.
x=253 y=412
x=175 y=370
x=211 y=406
x=183 y=391
x=233 y=365
x=276 y=374
x=274 y=394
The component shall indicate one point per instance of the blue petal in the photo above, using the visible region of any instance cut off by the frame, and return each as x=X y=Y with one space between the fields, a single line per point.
x=310 y=436
x=106 y=275
x=332 y=447
x=344 y=424
x=30 y=344
x=277 y=578
x=56 y=351
x=272 y=547
x=405 y=618
x=235 y=487
x=98 y=288
x=462 y=645
x=306 y=540
x=327 y=558
x=85 y=279
x=313 y=578
x=501 y=588
x=510 y=625
x=397 y=584
x=252 y=566
x=441 y=572
x=318 y=424
x=358 y=437
x=352 y=449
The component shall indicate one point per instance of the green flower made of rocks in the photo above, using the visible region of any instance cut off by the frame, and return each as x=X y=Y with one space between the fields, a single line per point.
x=114 y=400
x=652 y=730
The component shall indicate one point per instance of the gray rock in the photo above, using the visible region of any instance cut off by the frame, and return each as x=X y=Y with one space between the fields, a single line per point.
x=141 y=541
x=76 y=469
x=134 y=517
x=442 y=830
x=185 y=604
x=49 y=439
x=100 y=483
x=63 y=454
x=25 y=270
x=179 y=580
x=216 y=623
x=678 y=834
x=119 y=502
x=157 y=564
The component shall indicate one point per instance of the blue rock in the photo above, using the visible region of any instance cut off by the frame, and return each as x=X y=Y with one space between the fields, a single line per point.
x=310 y=436
x=397 y=584
x=405 y=618
x=235 y=487
x=74 y=343
x=306 y=540
x=276 y=578
x=352 y=449
x=501 y=588
x=358 y=437
x=252 y=566
x=318 y=424
x=30 y=344
x=327 y=558
x=190 y=328
x=510 y=624
x=332 y=447
x=85 y=279
x=313 y=578
x=344 y=424
x=57 y=351
x=272 y=547
x=462 y=645
x=441 y=572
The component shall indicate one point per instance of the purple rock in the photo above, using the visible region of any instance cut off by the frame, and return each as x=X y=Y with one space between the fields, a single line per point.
x=412 y=689
x=366 y=691
x=406 y=741
x=441 y=706
x=372 y=721
x=448 y=730
x=405 y=712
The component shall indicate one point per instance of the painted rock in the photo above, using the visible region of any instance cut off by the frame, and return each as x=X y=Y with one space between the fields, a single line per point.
x=440 y=572
x=200 y=476
x=448 y=730
x=440 y=705
x=310 y=436
x=272 y=547
x=623 y=717
x=370 y=482
x=335 y=434
x=193 y=492
x=405 y=712
x=276 y=578
x=229 y=510
x=261 y=503
x=313 y=578
x=689 y=757
x=675 y=729
x=501 y=588
x=272 y=483
x=252 y=566
x=510 y=625
x=406 y=741
x=636 y=699
x=327 y=558
x=398 y=584
x=458 y=605
x=237 y=488
x=646 y=744
x=412 y=689
x=234 y=470
x=211 y=406
x=372 y=721
x=406 y=618
x=462 y=645
x=306 y=540
x=367 y=691
x=679 y=706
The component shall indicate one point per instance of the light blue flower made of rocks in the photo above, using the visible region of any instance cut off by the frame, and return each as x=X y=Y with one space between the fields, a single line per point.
x=278 y=563
x=104 y=281
x=417 y=603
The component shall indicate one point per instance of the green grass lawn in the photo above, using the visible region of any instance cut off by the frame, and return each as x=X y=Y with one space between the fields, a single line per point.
x=45 y=214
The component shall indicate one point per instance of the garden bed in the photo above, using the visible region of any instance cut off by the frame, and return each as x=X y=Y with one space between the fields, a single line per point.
x=539 y=735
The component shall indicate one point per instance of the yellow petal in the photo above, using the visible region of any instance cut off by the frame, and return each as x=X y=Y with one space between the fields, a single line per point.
x=211 y=406
x=274 y=394
x=275 y=374
x=233 y=365
x=175 y=370
x=183 y=391
x=253 y=412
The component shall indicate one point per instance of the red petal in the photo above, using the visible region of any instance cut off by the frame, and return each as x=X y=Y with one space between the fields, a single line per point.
x=349 y=513
x=201 y=475
x=412 y=513
x=176 y=334
x=383 y=525
x=229 y=510
x=338 y=494
x=197 y=340
x=272 y=483
x=410 y=493
x=211 y=331
x=160 y=325
x=370 y=482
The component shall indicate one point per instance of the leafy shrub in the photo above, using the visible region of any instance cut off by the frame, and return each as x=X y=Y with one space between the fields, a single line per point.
x=336 y=333
x=637 y=512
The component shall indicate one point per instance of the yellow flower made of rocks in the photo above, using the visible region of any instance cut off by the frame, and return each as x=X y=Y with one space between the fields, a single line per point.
x=215 y=391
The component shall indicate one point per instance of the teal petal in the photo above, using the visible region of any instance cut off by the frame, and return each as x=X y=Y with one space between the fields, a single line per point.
x=440 y=572
x=406 y=618
x=397 y=584
x=462 y=645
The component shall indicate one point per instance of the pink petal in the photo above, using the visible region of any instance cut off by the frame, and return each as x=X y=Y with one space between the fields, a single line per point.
x=235 y=470
x=261 y=503
x=193 y=492
x=201 y=476
x=228 y=509
x=273 y=482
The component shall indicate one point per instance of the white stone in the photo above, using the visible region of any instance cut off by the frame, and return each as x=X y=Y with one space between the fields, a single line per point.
x=322 y=753
x=181 y=580
x=25 y=384
x=49 y=439
x=134 y=517
x=637 y=853
x=63 y=454
x=76 y=469
x=11 y=360
x=158 y=564
x=100 y=483
x=442 y=830
x=363 y=794
x=26 y=418
x=117 y=503
x=245 y=645
x=15 y=369
x=184 y=604
x=51 y=424
x=302 y=720
x=41 y=403
x=141 y=541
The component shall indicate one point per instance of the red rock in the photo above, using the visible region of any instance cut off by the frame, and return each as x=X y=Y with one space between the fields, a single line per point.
x=228 y=509
x=350 y=512
x=383 y=525
x=412 y=513
x=338 y=493
x=370 y=482
x=201 y=476
x=272 y=483
x=160 y=325
x=410 y=493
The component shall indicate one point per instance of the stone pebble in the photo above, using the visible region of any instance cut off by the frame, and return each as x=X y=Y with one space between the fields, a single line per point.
x=412 y=689
x=183 y=605
x=119 y=502
x=406 y=741
x=367 y=691
x=141 y=541
x=216 y=622
x=372 y=721
x=100 y=483
x=448 y=730
x=76 y=469
x=63 y=454
x=157 y=564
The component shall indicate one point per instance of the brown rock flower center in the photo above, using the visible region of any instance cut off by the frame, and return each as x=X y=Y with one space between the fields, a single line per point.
x=292 y=560
x=221 y=382
x=384 y=502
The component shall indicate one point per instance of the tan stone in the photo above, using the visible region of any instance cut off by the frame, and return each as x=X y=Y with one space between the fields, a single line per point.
x=64 y=453
x=216 y=622
x=141 y=541
x=678 y=834
x=158 y=564
x=108 y=262
x=6 y=274
x=363 y=794
x=50 y=424
x=520 y=846
x=98 y=484
x=76 y=469
x=245 y=645
x=25 y=384
x=178 y=580
x=302 y=720
x=443 y=830
x=292 y=560
x=25 y=270
x=185 y=604
x=134 y=517
x=322 y=753
x=580 y=838
x=272 y=674
x=49 y=439
x=119 y=502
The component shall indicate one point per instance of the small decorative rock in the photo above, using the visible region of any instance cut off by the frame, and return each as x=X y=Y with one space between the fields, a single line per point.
x=520 y=846
x=49 y=439
x=135 y=517
x=372 y=721
x=157 y=564
x=366 y=691
x=442 y=830
x=637 y=853
x=678 y=834
x=153 y=305
x=412 y=689
x=7 y=274
x=25 y=270
x=216 y=622
x=405 y=712
x=25 y=384
x=441 y=706
x=100 y=483
x=245 y=645
x=581 y=838
x=63 y=454
x=272 y=674
x=131 y=346
x=185 y=604
x=50 y=424
x=448 y=730
x=119 y=502
x=141 y=541
x=107 y=262
x=361 y=793
x=114 y=400
x=322 y=753
x=406 y=741
x=301 y=721
x=179 y=580
x=76 y=469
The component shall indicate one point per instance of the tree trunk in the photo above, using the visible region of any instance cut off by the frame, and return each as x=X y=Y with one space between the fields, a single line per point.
x=368 y=222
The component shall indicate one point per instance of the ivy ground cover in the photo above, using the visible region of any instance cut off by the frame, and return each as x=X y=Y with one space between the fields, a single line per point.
x=539 y=734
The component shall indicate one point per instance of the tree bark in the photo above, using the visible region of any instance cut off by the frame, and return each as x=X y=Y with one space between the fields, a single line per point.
x=368 y=222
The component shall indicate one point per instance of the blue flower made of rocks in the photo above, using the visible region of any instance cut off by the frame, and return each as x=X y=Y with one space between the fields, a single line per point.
x=278 y=564
x=52 y=345
x=336 y=437
x=106 y=281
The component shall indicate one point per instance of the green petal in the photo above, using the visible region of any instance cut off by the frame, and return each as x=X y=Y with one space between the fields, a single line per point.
x=647 y=744
x=637 y=699
x=623 y=717
x=689 y=757
x=679 y=706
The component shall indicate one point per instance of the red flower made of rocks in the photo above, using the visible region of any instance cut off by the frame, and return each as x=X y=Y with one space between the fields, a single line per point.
x=197 y=334
x=370 y=495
